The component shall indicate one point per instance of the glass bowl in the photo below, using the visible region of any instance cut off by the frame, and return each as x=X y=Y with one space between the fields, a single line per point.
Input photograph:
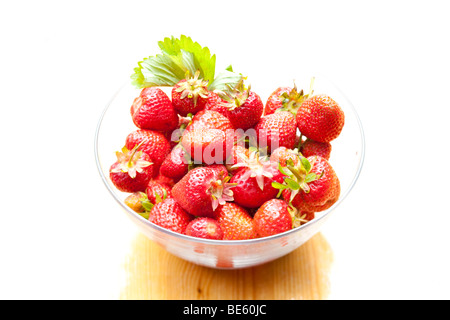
x=346 y=158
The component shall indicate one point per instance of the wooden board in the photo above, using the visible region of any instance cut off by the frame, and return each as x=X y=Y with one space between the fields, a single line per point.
x=153 y=273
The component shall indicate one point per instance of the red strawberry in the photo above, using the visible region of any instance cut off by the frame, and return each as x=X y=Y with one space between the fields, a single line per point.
x=314 y=148
x=277 y=130
x=202 y=189
x=254 y=181
x=235 y=222
x=153 y=110
x=319 y=185
x=244 y=108
x=209 y=146
x=285 y=98
x=283 y=154
x=132 y=171
x=208 y=138
x=169 y=214
x=209 y=119
x=164 y=180
x=152 y=143
x=190 y=95
x=216 y=103
x=176 y=163
x=275 y=100
x=320 y=118
x=157 y=191
x=206 y=228
x=272 y=217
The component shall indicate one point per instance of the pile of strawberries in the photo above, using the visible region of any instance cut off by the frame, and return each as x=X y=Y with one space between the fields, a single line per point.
x=227 y=166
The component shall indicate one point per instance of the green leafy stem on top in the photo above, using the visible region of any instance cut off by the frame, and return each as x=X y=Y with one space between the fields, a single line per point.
x=178 y=57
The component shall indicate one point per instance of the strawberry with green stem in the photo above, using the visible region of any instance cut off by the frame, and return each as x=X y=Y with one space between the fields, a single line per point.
x=275 y=101
x=254 y=180
x=311 y=187
x=153 y=143
x=242 y=106
x=296 y=177
x=190 y=95
x=132 y=171
x=286 y=99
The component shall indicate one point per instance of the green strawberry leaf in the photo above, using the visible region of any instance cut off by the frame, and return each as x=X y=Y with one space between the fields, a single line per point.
x=160 y=70
x=145 y=214
x=202 y=58
x=157 y=197
x=292 y=184
x=148 y=206
x=278 y=185
x=225 y=81
x=305 y=163
x=310 y=177
x=284 y=170
x=178 y=57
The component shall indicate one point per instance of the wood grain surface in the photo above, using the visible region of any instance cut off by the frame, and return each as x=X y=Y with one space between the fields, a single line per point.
x=153 y=273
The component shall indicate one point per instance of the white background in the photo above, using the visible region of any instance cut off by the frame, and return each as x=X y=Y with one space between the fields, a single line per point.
x=62 y=61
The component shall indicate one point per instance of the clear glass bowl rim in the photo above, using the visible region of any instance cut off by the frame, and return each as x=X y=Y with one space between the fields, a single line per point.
x=227 y=242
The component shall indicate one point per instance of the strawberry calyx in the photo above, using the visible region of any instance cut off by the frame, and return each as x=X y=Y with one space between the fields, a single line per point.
x=220 y=190
x=130 y=161
x=235 y=97
x=193 y=87
x=292 y=100
x=257 y=166
x=297 y=177
x=298 y=218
